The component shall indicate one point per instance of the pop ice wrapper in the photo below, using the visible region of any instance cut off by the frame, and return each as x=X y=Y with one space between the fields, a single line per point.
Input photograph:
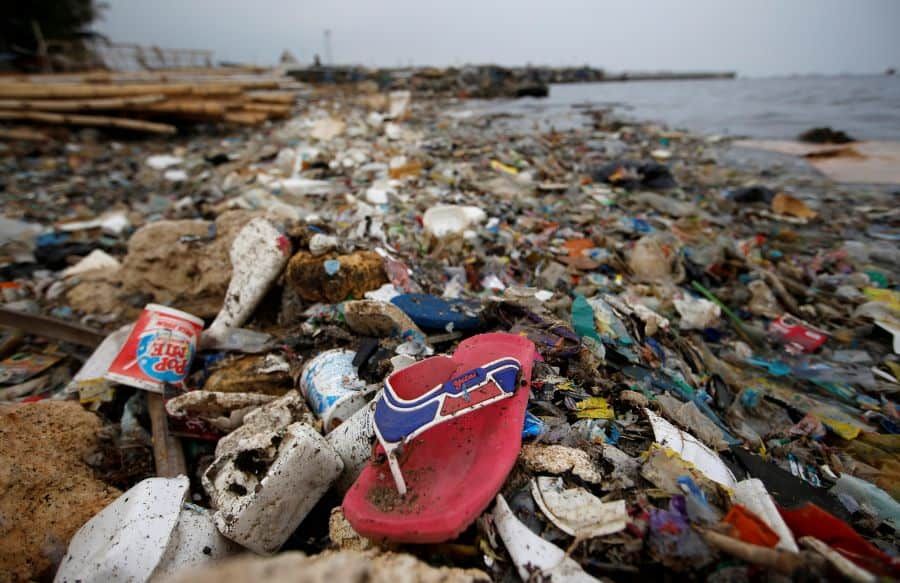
x=158 y=351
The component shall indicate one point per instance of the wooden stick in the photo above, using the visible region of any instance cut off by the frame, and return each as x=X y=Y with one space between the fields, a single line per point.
x=844 y=566
x=79 y=104
x=167 y=451
x=51 y=328
x=88 y=120
x=781 y=561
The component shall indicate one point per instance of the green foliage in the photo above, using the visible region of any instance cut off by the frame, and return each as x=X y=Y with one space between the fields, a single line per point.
x=57 y=19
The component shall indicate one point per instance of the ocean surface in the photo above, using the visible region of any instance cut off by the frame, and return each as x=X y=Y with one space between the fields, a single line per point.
x=866 y=107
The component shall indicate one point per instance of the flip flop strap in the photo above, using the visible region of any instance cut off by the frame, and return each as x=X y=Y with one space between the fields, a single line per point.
x=397 y=420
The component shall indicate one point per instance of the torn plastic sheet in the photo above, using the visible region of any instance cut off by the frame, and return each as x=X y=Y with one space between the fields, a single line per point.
x=691 y=450
x=576 y=511
x=144 y=533
x=869 y=495
x=752 y=493
x=671 y=537
x=258 y=255
x=531 y=553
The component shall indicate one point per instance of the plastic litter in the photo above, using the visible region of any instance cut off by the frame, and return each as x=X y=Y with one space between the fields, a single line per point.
x=868 y=495
x=576 y=511
x=752 y=493
x=148 y=532
x=258 y=255
x=691 y=449
x=332 y=387
x=531 y=553
x=263 y=491
x=158 y=350
x=441 y=221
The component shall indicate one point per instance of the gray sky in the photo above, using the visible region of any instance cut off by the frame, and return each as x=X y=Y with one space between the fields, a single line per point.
x=754 y=37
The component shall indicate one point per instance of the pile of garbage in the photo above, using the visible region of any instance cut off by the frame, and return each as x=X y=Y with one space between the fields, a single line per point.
x=404 y=338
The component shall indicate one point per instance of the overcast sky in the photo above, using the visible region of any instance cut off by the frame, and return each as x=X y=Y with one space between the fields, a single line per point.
x=753 y=37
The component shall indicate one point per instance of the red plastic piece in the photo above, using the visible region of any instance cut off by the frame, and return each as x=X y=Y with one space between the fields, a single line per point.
x=453 y=470
x=796 y=335
x=750 y=528
x=810 y=520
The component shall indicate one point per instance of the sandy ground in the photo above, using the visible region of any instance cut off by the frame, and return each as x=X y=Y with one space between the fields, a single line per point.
x=47 y=491
x=859 y=162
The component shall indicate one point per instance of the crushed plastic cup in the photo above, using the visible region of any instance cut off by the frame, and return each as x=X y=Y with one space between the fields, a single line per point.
x=332 y=387
x=158 y=351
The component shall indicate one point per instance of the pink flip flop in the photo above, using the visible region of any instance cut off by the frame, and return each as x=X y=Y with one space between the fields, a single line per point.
x=450 y=429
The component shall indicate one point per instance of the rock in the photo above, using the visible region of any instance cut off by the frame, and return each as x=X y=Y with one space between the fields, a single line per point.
x=651 y=260
x=342 y=535
x=183 y=264
x=377 y=319
x=332 y=277
x=100 y=292
x=825 y=135
x=250 y=374
x=328 y=567
x=47 y=491
x=559 y=459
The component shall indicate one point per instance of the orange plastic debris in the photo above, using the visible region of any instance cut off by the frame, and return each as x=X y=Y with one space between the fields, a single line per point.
x=750 y=528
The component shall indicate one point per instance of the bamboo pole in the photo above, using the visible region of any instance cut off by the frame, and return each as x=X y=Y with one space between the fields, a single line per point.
x=79 y=104
x=88 y=120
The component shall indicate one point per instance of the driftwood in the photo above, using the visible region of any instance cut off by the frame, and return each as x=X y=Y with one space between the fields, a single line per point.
x=52 y=328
